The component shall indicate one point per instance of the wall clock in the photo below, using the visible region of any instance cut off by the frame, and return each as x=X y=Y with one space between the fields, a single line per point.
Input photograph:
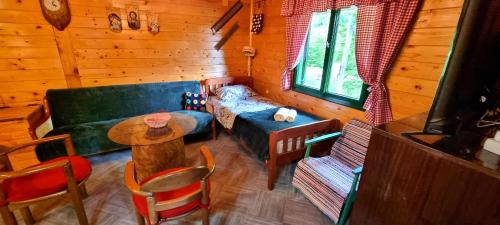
x=56 y=12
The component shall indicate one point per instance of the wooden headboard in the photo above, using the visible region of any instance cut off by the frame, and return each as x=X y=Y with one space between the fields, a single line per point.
x=209 y=85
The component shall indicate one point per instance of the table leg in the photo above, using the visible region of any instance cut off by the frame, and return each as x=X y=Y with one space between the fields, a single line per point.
x=151 y=159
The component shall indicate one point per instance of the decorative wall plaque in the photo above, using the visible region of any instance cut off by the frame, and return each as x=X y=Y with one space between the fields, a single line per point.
x=115 y=21
x=56 y=12
x=153 y=25
x=133 y=18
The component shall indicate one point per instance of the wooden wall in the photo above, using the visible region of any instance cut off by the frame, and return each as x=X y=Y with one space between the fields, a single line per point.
x=411 y=83
x=90 y=54
x=29 y=60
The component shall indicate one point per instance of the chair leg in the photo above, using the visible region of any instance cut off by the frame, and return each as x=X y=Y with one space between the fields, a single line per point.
x=271 y=174
x=79 y=208
x=344 y=213
x=206 y=216
x=7 y=216
x=83 y=191
x=140 y=218
x=27 y=217
x=214 y=129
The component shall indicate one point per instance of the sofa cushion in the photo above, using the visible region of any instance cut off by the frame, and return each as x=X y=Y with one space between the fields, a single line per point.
x=196 y=102
x=203 y=120
x=88 y=139
x=92 y=104
x=47 y=182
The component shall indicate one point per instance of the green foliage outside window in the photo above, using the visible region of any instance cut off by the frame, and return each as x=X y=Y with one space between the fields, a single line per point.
x=328 y=68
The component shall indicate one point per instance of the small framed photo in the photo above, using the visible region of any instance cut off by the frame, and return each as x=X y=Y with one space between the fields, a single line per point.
x=153 y=25
x=133 y=17
x=115 y=20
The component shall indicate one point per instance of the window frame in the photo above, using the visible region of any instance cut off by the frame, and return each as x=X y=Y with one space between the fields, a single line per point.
x=325 y=77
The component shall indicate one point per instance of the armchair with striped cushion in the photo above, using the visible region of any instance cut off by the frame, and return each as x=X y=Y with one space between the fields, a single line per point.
x=330 y=182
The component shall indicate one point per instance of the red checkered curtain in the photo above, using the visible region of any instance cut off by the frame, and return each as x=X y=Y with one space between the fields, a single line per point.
x=381 y=30
x=298 y=15
x=380 y=33
x=296 y=32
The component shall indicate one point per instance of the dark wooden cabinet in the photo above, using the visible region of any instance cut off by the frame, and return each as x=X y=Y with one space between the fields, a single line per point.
x=406 y=183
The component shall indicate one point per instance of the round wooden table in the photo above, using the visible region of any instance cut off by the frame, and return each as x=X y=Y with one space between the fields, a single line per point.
x=152 y=154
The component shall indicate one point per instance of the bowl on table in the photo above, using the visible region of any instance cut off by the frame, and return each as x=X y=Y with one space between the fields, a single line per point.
x=157 y=120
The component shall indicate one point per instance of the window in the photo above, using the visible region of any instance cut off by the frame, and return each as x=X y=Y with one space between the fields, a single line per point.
x=327 y=68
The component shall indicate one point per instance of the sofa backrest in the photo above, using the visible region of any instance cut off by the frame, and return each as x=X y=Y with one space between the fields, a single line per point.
x=92 y=104
x=352 y=145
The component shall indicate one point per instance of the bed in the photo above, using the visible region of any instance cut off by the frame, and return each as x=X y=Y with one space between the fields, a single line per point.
x=251 y=120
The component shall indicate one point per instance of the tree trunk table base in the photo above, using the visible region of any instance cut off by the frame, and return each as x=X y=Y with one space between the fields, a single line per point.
x=151 y=159
x=154 y=150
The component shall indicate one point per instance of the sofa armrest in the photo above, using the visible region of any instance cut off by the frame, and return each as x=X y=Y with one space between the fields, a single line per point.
x=312 y=141
x=357 y=171
x=35 y=119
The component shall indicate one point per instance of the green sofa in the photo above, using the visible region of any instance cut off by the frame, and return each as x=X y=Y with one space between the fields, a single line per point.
x=88 y=113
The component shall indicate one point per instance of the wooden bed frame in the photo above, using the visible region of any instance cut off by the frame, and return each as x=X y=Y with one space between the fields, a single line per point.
x=292 y=139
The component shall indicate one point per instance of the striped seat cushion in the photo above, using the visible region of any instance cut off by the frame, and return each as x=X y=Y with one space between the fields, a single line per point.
x=326 y=182
x=351 y=147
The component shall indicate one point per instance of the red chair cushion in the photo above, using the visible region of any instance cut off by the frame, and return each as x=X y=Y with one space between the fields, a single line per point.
x=142 y=207
x=45 y=183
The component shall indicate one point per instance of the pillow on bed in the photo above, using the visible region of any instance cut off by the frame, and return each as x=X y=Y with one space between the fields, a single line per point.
x=234 y=92
x=196 y=102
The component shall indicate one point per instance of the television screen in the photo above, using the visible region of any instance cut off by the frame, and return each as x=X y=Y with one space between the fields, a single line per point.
x=467 y=99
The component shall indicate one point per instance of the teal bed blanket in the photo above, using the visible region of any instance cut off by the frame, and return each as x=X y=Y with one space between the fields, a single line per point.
x=254 y=128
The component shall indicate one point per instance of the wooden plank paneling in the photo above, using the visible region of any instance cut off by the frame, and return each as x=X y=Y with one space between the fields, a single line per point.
x=29 y=60
x=87 y=53
x=27 y=52
x=150 y=53
x=183 y=50
x=68 y=61
x=411 y=82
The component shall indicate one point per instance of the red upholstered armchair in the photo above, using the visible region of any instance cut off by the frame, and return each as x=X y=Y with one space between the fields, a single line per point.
x=171 y=193
x=55 y=178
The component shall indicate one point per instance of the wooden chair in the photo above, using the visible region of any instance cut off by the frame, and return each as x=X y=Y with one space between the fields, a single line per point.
x=330 y=182
x=172 y=193
x=54 y=178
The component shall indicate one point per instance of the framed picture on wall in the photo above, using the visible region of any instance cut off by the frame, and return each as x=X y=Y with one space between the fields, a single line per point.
x=153 y=25
x=133 y=17
x=115 y=20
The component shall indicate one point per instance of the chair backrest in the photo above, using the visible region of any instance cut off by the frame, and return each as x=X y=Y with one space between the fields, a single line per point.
x=175 y=180
x=352 y=145
x=189 y=183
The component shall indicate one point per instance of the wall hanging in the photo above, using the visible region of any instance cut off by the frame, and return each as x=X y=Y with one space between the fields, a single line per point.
x=56 y=12
x=226 y=37
x=153 y=25
x=249 y=51
x=133 y=17
x=226 y=17
x=258 y=17
x=115 y=20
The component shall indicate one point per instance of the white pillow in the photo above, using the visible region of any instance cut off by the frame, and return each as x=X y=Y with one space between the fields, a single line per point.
x=234 y=92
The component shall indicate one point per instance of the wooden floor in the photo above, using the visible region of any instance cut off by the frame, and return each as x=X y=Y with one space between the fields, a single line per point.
x=239 y=193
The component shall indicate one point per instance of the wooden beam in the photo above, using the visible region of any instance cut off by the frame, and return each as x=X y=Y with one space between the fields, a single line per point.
x=68 y=60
